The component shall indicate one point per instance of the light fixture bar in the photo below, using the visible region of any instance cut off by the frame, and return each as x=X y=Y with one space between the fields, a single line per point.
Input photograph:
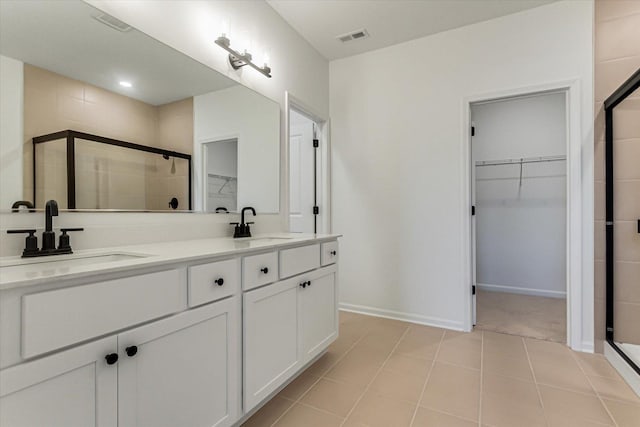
x=238 y=60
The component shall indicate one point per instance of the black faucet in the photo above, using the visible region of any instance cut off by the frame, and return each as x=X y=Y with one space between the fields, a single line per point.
x=48 y=236
x=242 y=229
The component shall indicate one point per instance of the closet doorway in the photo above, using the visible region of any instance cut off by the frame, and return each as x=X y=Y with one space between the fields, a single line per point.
x=519 y=221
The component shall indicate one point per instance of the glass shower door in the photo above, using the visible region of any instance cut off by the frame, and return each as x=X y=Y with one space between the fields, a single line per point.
x=623 y=221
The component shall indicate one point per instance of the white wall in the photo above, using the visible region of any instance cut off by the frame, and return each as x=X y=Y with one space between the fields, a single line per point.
x=398 y=161
x=11 y=130
x=191 y=27
x=238 y=113
x=521 y=225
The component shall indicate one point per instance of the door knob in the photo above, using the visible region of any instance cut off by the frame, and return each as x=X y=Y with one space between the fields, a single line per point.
x=131 y=351
x=111 y=358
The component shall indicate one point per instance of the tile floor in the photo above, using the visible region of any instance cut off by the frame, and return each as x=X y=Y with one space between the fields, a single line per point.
x=388 y=373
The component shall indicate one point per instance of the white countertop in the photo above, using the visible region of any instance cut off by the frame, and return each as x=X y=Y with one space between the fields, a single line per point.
x=34 y=271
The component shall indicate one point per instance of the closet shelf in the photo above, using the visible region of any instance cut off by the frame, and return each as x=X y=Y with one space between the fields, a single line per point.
x=520 y=161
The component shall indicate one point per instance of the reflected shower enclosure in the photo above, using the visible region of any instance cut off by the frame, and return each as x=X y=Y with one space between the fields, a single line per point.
x=84 y=171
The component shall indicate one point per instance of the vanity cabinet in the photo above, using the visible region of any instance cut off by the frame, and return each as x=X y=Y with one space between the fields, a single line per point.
x=286 y=325
x=199 y=342
x=72 y=388
x=181 y=371
x=317 y=305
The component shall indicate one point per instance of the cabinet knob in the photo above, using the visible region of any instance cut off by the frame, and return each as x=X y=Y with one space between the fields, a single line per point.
x=334 y=253
x=308 y=282
x=303 y=285
x=131 y=351
x=219 y=281
x=111 y=358
x=265 y=270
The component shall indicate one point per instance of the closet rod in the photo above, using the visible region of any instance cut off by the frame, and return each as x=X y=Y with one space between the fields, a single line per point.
x=521 y=161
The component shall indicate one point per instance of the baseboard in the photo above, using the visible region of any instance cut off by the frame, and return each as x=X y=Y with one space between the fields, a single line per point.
x=406 y=317
x=521 y=291
x=623 y=368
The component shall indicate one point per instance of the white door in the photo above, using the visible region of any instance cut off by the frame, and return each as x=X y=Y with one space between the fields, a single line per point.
x=270 y=339
x=301 y=174
x=73 y=388
x=184 y=371
x=318 y=314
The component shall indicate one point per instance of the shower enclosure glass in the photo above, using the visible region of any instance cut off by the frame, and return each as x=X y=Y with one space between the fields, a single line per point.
x=622 y=112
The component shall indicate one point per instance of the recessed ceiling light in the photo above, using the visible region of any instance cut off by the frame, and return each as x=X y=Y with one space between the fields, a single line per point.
x=125 y=84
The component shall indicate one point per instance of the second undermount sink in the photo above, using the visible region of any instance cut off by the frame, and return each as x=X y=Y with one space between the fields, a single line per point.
x=57 y=262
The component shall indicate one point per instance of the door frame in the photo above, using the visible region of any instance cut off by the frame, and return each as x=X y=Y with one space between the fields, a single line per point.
x=579 y=258
x=323 y=169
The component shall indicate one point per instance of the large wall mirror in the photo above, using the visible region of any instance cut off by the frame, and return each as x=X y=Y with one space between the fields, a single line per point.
x=98 y=115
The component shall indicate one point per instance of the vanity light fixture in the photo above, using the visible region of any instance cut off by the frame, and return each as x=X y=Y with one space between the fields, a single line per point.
x=238 y=60
x=125 y=84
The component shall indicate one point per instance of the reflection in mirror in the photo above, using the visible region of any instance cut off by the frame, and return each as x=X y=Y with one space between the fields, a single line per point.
x=221 y=159
x=118 y=84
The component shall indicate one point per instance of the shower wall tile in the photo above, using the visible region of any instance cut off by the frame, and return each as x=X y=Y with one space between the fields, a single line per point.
x=626 y=203
x=617 y=56
x=625 y=158
x=628 y=274
x=625 y=323
x=626 y=243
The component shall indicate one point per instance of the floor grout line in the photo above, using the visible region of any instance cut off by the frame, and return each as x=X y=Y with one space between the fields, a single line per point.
x=606 y=408
x=295 y=402
x=375 y=376
x=426 y=381
x=535 y=381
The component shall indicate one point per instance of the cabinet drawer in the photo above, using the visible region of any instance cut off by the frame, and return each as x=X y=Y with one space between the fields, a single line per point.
x=298 y=260
x=58 y=318
x=213 y=281
x=329 y=253
x=259 y=270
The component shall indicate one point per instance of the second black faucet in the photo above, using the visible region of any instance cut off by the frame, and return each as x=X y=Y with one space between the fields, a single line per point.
x=242 y=229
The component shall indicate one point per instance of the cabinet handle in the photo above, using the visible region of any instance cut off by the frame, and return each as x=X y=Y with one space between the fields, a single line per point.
x=219 y=282
x=111 y=358
x=131 y=351
x=265 y=270
x=333 y=253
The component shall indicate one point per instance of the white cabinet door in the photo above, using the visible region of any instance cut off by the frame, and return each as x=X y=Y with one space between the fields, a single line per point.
x=72 y=388
x=270 y=339
x=185 y=371
x=318 y=312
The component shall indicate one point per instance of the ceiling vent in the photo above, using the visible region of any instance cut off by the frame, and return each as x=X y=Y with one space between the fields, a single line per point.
x=353 y=35
x=112 y=22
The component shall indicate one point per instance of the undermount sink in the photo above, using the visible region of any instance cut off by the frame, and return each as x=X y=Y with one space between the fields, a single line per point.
x=29 y=265
x=267 y=239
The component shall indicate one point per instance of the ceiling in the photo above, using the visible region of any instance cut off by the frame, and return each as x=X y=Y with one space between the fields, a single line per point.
x=63 y=37
x=388 y=22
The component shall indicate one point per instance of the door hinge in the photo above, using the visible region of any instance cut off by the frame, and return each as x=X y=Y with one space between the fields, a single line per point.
x=316 y=210
x=473 y=210
x=473 y=131
x=316 y=143
x=473 y=289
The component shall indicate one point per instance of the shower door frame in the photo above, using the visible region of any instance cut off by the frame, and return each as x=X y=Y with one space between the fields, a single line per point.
x=619 y=95
x=70 y=137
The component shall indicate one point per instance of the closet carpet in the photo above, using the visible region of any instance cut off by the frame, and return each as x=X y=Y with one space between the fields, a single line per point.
x=523 y=315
